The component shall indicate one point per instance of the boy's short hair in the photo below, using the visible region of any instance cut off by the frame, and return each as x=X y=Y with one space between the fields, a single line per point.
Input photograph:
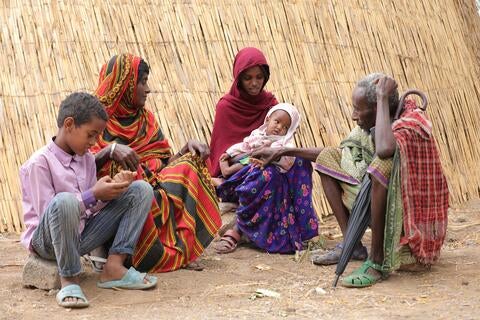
x=82 y=107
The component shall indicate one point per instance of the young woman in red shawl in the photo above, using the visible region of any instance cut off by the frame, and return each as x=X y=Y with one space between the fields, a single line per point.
x=244 y=107
x=275 y=209
x=184 y=216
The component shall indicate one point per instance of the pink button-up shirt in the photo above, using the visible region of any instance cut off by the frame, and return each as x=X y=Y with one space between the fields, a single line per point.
x=50 y=171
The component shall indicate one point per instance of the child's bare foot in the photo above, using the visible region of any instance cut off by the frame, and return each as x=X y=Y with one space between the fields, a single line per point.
x=114 y=269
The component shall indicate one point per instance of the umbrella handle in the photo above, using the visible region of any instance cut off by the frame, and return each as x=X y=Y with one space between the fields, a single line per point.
x=405 y=95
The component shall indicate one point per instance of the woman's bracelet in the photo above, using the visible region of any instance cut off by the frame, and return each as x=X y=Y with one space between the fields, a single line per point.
x=112 y=148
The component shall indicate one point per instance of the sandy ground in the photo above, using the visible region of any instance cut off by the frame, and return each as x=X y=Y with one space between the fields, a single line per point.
x=225 y=289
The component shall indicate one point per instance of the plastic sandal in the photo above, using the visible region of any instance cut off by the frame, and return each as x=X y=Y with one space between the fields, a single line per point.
x=195 y=266
x=228 y=243
x=96 y=262
x=72 y=291
x=329 y=257
x=132 y=280
x=361 y=279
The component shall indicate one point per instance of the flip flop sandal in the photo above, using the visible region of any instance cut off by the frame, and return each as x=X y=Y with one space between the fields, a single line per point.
x=361 y=279
x=72 y=291
x=228 y=242
x=132 y=280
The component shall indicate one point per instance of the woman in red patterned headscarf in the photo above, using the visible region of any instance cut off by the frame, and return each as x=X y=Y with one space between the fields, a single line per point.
x=184 y=217
x=244 y=107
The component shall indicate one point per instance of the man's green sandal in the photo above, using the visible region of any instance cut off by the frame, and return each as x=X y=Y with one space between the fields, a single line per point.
x=360 y=278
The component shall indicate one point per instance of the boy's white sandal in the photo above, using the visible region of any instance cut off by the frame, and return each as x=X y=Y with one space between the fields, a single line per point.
x=72 y=291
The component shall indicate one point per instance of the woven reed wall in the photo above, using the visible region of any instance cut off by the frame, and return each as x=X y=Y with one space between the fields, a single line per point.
x=316 y=50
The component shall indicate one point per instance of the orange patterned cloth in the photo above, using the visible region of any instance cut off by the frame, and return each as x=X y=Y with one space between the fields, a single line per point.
x=184 y=217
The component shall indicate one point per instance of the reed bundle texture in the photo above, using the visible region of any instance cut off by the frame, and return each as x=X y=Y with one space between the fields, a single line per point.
x=316 y=50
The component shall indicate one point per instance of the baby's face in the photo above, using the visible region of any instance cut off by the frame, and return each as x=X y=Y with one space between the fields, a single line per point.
x=278 y=123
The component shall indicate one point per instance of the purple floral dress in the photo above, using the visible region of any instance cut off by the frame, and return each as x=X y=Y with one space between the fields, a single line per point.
x=275 y=209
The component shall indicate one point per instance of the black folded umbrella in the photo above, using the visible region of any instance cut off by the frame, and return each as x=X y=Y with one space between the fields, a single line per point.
x=357 y=224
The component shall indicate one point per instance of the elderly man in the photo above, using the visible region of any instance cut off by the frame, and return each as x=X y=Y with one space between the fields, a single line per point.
x=409 y=195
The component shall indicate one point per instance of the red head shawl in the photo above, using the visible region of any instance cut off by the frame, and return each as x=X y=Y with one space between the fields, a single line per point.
x=238 y=113
x=127 y=124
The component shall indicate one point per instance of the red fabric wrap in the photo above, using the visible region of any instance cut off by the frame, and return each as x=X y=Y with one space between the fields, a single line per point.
x=237 y=113
x=424 y=186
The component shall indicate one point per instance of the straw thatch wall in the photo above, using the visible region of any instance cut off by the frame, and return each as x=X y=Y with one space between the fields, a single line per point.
x=316 y=49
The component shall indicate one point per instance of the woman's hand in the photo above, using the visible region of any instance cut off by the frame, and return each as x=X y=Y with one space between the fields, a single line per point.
x=126 y=156
x=257 y=163
x=265 y=155
x=224 y=157
x=224 y=165
x=198 y=148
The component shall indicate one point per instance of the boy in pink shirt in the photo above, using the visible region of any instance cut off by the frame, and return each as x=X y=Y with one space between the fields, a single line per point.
x=68 y=213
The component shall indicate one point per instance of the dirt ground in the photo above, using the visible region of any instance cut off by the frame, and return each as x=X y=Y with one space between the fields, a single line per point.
x=225 y=289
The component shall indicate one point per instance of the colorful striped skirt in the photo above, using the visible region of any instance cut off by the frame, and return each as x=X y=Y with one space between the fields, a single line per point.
x=184 y=217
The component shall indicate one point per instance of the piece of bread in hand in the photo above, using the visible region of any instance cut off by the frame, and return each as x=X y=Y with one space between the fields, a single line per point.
x=125 y=175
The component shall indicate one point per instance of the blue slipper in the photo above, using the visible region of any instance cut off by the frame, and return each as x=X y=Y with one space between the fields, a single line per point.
x=72 y=291
x=132 y=280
